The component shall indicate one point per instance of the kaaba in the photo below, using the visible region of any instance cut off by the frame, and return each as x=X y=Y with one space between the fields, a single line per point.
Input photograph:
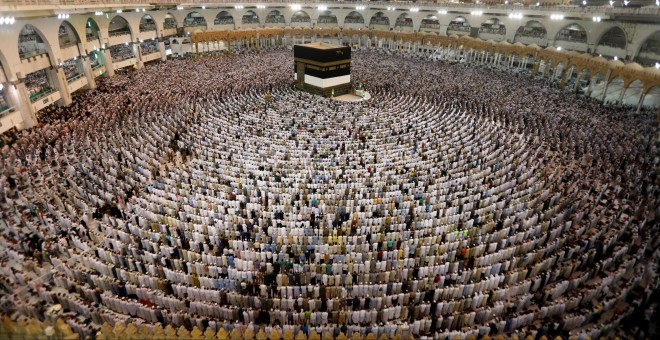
x=322 y=68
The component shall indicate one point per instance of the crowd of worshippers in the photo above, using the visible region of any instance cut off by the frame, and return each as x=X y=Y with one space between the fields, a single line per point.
x=121 y=52
x=448 y=205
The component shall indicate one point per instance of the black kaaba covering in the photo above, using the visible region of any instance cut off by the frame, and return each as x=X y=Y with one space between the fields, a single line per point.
x=324 y=54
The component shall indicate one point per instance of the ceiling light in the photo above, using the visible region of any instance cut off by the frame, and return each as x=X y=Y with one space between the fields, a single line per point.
x=442 y=12
x=296 y=7
x=322 y=8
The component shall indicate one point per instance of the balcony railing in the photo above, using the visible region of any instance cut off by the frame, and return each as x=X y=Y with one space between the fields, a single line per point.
x=39 y=95
x=73 y=77
x=6 y=110
x=118 y=33
x=29 y=54
x=122 y=58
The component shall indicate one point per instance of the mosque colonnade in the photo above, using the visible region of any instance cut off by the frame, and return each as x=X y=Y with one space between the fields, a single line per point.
x=67 y=54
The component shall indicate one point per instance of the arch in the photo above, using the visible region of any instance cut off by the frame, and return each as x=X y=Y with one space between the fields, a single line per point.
x=224 y=18
x=649 y=51
x=379 y=19
x=614 y=37
x=652 y=97
x=147 y=23
x=327 y=18
x=632 y=93
x=67 y=35
x=597 y=82
x=614 y=89
x=31 y=42
x=250 y=17
x=403 y=22
x=195 y=20
x=275 y=17
x=573 y=33
x=170 y=22
x=459 y=25
x=118 y=26
x=300 y=17
x=354 y=17
x=612 y=43
x=531 y=30
x=492 y=26
x=430 y=22
x=92 y=30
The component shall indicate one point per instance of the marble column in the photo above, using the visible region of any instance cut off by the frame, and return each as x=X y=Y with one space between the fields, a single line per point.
x=86 y=67
x=137 y=51
x=59 y=83
x=161 y=48
x=19 y=97
x=106 y=59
